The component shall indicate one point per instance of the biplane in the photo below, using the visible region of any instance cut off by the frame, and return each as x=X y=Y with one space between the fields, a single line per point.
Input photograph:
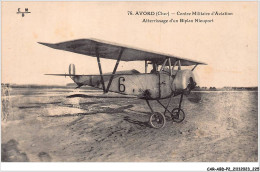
x=166 y=79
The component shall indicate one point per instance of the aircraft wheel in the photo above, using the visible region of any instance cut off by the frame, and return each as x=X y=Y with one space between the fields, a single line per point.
x=178 y=115
x=157 y=120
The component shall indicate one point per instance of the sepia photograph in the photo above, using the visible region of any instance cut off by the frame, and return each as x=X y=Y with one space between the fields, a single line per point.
x=129 y=81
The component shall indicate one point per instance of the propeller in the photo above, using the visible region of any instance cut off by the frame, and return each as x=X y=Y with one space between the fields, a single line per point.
x=191 y=93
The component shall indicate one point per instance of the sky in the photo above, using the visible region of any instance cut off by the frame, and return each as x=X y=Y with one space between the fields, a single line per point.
x=228 y=44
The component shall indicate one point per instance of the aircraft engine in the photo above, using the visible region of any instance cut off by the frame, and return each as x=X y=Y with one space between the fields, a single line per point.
x=184 y=80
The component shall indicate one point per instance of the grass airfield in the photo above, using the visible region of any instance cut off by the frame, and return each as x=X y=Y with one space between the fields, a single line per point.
x=68 y=125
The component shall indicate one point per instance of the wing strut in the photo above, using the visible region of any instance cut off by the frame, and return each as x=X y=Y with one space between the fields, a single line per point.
x=114 y=71
x=194 y=67
x=146 y=65
x=100 y=69
x=163 y=65
x=170 y=67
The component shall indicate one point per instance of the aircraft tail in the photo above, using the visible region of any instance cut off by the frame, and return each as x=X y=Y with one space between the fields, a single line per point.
x=92 y=80
x=72 y=70
x=72 y=75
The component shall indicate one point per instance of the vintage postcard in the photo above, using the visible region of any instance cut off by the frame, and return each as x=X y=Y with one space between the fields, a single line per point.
x=129 y=82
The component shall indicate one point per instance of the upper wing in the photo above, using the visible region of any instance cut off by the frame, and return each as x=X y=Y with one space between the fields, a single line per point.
x=93 y=48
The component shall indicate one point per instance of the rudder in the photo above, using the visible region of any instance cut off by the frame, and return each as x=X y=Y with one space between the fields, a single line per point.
x=72 y=70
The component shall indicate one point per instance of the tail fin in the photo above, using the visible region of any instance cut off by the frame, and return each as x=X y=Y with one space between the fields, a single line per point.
x=72 y=70
x=72 y=73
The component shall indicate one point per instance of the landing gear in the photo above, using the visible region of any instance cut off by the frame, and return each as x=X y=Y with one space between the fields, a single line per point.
x=177 y=115
x=158 y=120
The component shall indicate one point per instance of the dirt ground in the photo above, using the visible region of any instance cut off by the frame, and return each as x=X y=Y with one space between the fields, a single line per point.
x=84 y=125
